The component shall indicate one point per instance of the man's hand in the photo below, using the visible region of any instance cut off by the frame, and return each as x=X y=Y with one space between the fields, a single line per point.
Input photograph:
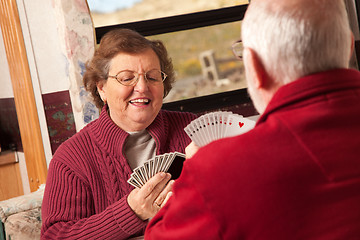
x=190 y=150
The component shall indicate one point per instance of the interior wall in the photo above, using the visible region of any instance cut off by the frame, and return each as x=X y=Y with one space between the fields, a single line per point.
x=36 y=64
x=59 y=40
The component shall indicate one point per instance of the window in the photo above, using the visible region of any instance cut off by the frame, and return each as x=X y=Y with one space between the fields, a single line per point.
x=198 y=35
x=203 y=61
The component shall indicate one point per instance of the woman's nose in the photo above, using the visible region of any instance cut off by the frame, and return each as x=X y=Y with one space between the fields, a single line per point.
x=142 y=84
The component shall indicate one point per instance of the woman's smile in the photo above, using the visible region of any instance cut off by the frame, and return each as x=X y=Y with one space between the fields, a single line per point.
x=140 y=102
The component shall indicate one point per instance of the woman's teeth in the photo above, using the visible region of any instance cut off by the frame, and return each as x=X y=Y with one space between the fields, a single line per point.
x=142 y=100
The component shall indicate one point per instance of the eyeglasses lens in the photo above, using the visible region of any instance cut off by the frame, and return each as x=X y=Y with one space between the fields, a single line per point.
x=129 y=78
x=126 y=77
x=154 y=76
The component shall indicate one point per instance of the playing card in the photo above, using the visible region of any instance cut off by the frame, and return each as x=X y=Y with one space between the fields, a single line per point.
x=238 y=125
x=212 y=126
x=189 y=129
x=223 y=122
x=143 y=173
x=164 y=162
x=147 y=170
x=151 y=166
x=199 y=132
x=194 y=130
x=157 y=163
x=168 y=162
x=138 y=176
x=206 y=129
x=133 y=182
x=217 y=124
x=176 y=165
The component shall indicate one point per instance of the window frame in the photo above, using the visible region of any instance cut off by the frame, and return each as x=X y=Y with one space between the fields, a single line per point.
x=189 y=21
x=237 y=100
x=179 y=22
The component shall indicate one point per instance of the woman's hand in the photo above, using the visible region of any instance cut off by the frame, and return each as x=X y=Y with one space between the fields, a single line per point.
x=148 y=200
x=190 y=150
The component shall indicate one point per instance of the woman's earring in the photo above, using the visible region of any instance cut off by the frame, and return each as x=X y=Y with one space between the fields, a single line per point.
x=104 y=101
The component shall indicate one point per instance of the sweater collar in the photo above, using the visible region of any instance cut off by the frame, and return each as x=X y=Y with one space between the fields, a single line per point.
x=310 y=86
x=112 y=138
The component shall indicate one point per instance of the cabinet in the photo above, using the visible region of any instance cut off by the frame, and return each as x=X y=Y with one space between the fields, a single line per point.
x=10 y=177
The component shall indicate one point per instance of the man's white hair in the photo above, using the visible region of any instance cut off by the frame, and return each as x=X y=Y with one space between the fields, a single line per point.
x=299 y=38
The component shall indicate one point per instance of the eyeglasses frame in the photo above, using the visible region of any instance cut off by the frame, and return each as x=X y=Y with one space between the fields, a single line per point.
x=137 y=77
x=237 y=49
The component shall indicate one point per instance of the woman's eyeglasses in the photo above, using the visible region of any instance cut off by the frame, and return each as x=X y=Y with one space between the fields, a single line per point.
x=130 y=78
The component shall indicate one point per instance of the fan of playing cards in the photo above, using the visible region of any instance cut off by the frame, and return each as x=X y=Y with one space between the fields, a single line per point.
x=168 y=162
x=216 y=125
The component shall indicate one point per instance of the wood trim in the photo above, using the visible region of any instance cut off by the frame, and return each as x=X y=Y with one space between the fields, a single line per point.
x=10 y=181
x=23 y=93
x=7 y=157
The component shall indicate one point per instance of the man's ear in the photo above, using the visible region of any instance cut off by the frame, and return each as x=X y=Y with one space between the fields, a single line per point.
x=254 y=64
x=352 y=45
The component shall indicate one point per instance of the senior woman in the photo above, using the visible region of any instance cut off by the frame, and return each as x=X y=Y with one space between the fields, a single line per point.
x=87 y=195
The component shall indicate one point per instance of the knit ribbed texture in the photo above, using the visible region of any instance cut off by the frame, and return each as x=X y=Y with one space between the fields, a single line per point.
x=86 y=189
